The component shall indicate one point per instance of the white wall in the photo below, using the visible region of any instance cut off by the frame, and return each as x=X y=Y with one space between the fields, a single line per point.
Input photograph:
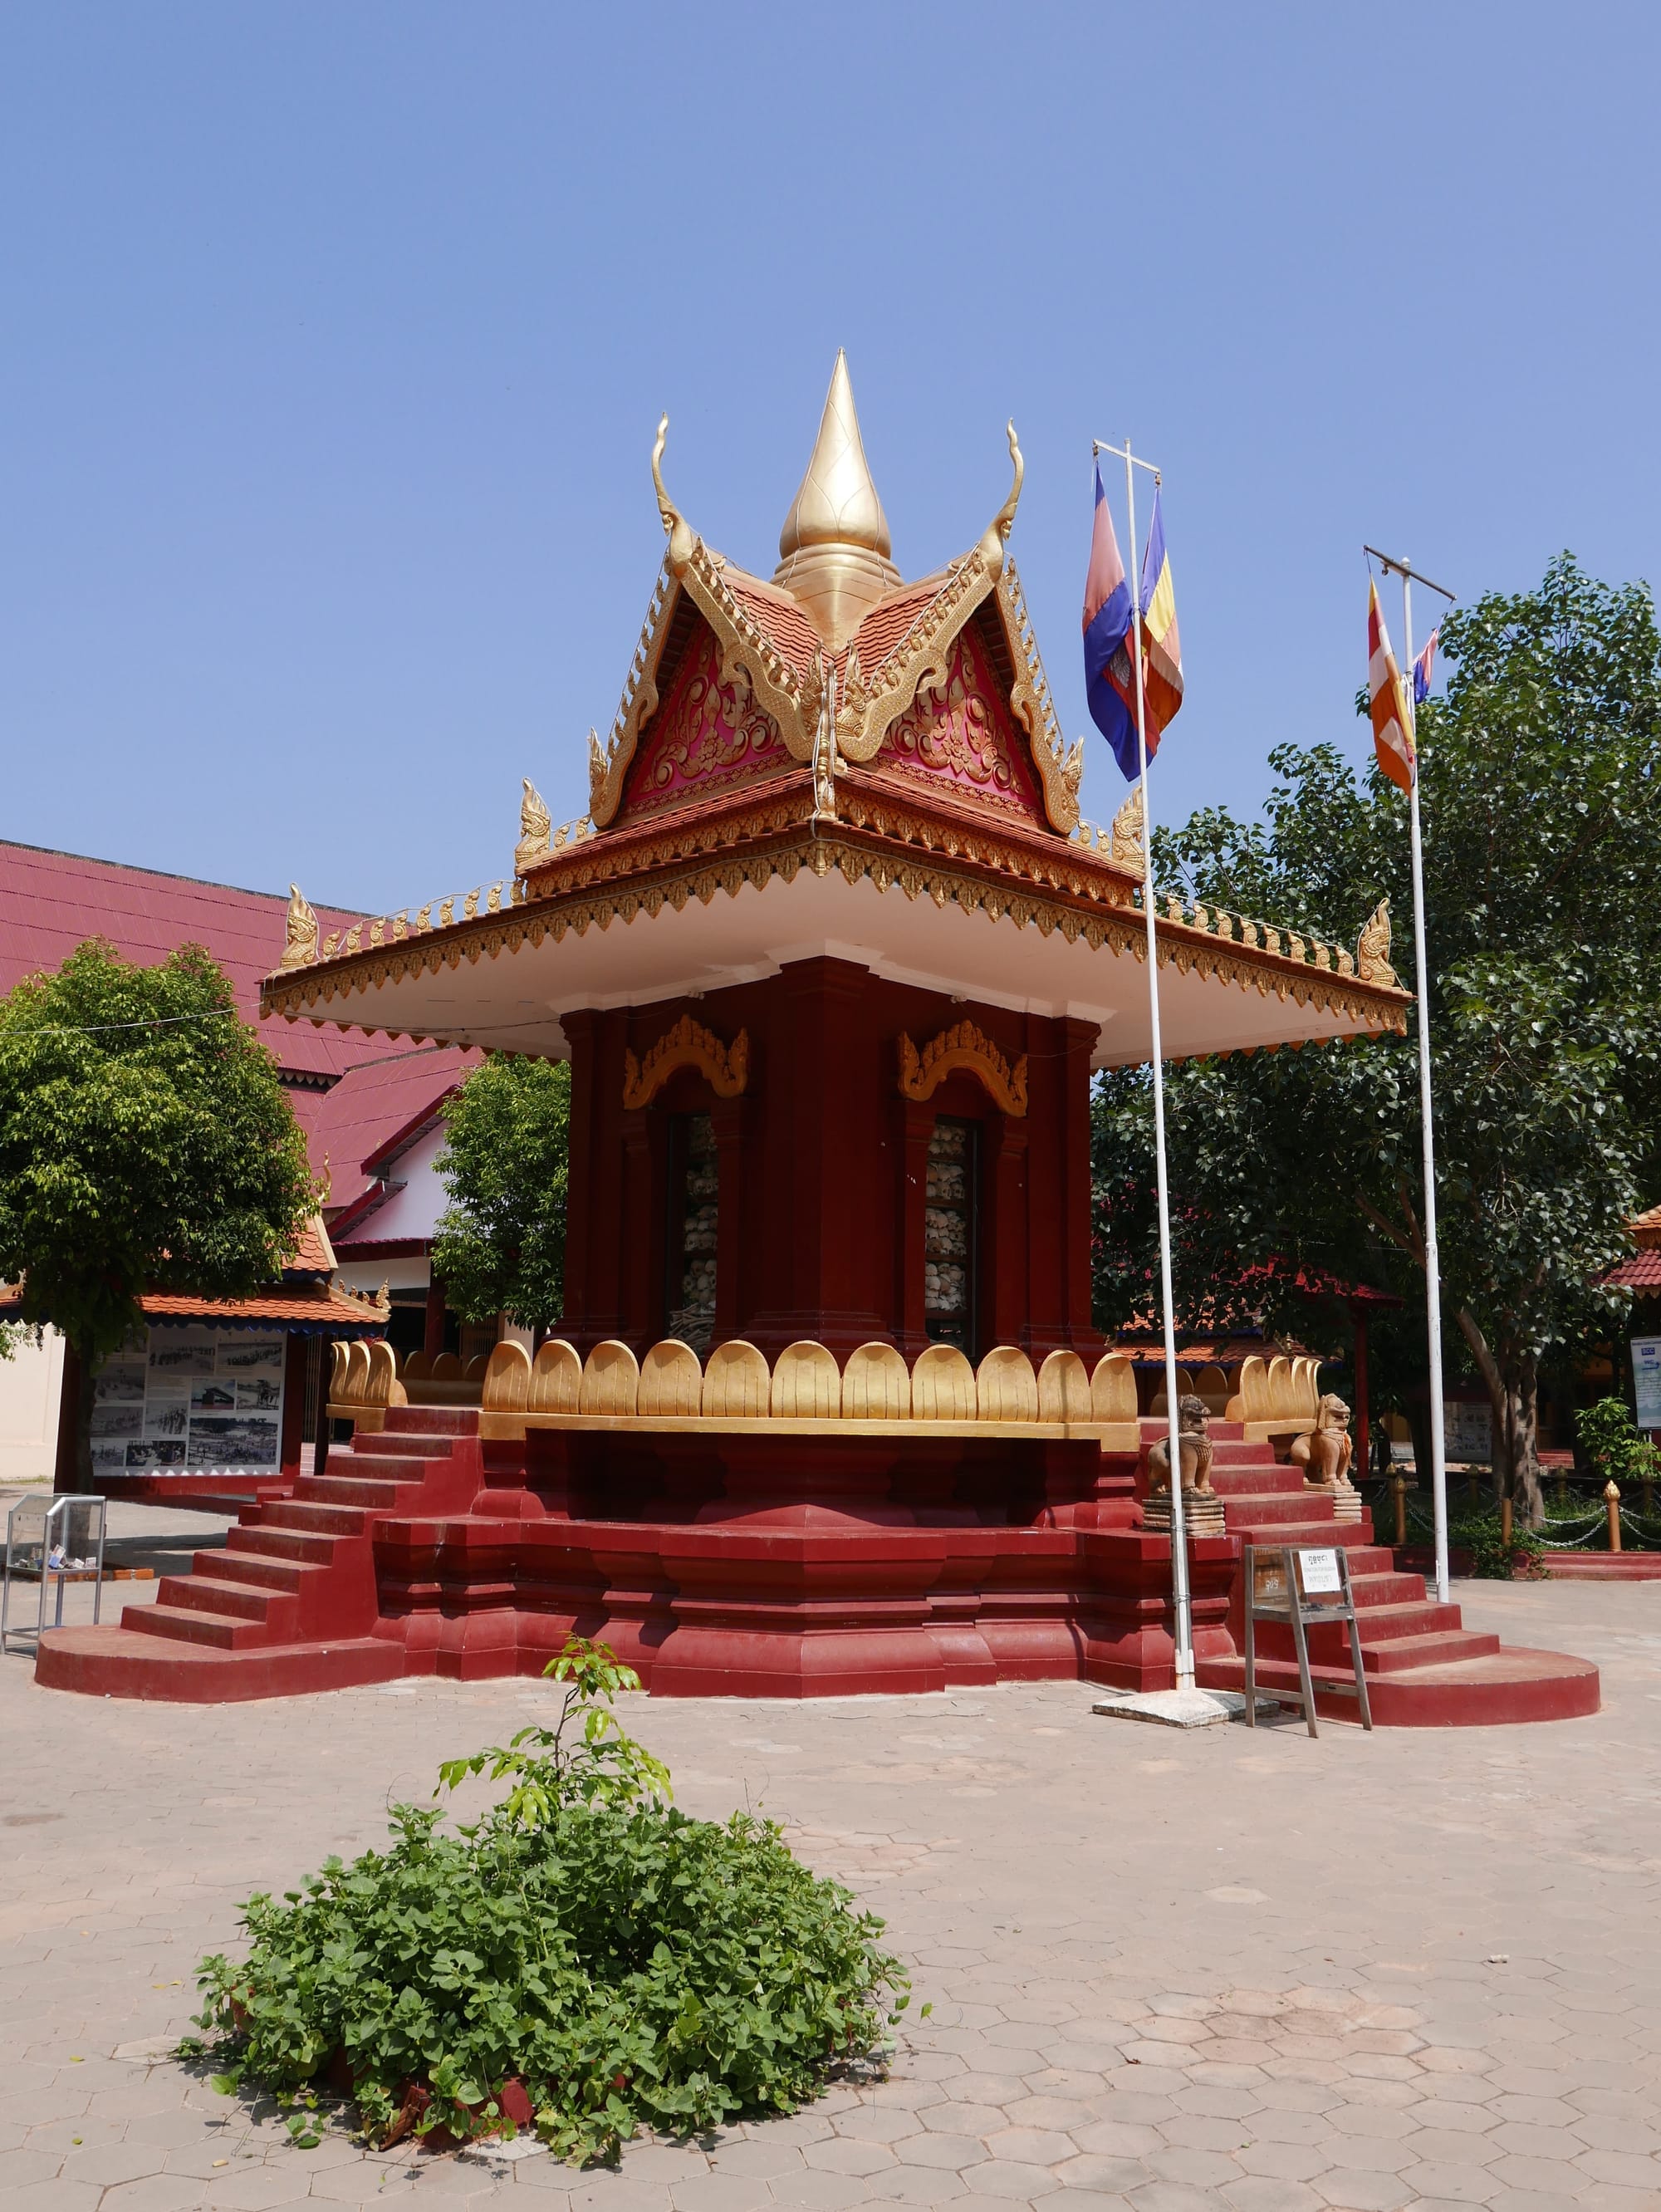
x=30 y=1381
x=415 y=1210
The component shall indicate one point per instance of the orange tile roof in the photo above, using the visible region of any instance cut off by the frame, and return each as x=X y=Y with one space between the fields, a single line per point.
x=320 y=1307
x=775 y=612
x=1641 y=1273
x=1646 y=1229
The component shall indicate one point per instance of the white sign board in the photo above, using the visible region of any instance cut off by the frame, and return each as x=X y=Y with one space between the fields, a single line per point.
x=1646 y=1380
x=1318 y=1572
x=1467 y=1431
x=191 y=1400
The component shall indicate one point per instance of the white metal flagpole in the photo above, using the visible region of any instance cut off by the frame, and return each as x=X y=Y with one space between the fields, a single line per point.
x=1433 y=1264
x=1181 y=1600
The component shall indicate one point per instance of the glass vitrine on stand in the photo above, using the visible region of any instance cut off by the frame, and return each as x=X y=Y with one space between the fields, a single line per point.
x=51 y=1541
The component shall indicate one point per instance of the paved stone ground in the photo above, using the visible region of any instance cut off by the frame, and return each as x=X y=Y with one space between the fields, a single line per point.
x=1170 y=1973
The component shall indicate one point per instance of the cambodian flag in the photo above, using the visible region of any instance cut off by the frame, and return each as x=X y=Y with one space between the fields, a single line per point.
x=1423 y=667
x=1162 y=646
x=1109 y=679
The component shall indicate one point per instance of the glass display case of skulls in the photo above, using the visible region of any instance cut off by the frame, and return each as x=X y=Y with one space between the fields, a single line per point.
x=51 y=1541
x=694 y=1216
x=948 y=1235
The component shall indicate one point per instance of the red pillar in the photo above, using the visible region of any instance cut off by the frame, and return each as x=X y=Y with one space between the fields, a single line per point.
x=1363 y=1464
x=432 y=1339
x=291 y=1447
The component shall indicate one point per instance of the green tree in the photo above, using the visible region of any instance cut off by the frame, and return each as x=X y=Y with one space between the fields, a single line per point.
x=1539 y=778
x=500 y=1245
x=145 y=1141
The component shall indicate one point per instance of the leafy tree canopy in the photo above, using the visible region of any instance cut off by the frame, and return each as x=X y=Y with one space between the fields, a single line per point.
x=1542 y=825
x=500 y=1245
x=144 y=1140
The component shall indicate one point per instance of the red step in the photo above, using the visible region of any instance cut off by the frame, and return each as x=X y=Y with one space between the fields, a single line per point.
x=1499 y=1689
x=186 y=1624
x=119 y=1662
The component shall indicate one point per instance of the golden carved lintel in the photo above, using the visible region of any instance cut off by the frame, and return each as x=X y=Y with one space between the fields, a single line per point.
x=687 y=1044
x=963 y=1046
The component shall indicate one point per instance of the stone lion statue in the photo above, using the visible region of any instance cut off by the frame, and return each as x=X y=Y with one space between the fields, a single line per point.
x=1325 y=1453
x=1192 y=1417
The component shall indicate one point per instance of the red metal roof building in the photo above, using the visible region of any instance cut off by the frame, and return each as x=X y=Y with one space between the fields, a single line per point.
x=369 y=1108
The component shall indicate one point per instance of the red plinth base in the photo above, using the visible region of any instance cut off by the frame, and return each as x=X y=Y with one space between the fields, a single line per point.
x=756 y=1567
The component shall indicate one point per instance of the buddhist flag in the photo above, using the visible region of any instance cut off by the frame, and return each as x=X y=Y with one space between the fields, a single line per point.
x=1109 y=680
x=1161 y=648
x=1392 y=730
x=1424 y=667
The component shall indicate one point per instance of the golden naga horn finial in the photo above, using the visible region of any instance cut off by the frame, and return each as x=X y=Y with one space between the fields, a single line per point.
x=676 y=527
x=997 y=534
x=299 y=945
x=536 y=826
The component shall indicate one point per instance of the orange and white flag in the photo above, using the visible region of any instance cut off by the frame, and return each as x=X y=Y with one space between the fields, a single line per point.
x=1386 y=702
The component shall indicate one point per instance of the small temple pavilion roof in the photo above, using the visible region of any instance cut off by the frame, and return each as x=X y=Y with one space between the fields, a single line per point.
x=831 y=760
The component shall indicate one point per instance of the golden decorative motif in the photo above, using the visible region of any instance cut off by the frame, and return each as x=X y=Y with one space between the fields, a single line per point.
x=1024 y=878
x=1060 y=772
x=1372 y=952
x=835 y=551
x=689 y=1044
x=964 y=1047
x=997 y=530
x=1126 y=831
x=950 y=729
x=609 y=765
x=870 y=704
x=676 y=527
x=536 y=826
x=300 y=936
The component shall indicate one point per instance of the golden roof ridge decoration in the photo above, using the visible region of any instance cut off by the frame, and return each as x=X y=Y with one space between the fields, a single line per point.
x=687 y=1044
x=609 y=764
x=965 y=1047
x=299 y=938
x=869 y=702
x=535 y=828
x=1372 y=951
x=1060 y=772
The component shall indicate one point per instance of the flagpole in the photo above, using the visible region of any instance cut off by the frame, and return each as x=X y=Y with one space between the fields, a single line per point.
x=1182 y=1603
x=1433 y=1263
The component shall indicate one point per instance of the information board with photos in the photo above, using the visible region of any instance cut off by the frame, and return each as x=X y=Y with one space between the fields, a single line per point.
x=196 y=1400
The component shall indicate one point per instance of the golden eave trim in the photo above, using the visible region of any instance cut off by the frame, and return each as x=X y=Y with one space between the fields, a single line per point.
x=966 y=1048
x=782 y=848
x=609 y=764
x=687 y=1044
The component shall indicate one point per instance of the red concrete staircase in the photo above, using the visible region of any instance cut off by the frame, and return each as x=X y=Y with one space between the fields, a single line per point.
x=289 y=1603
x=1424 y=1667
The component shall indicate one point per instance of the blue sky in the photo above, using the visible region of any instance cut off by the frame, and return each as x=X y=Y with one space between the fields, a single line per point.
x=334 y=337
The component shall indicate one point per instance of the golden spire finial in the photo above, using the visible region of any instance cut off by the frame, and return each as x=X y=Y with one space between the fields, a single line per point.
x=834 y=547
x=837 y=504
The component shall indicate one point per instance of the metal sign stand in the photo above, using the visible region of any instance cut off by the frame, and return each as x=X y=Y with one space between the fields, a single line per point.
x=1304 y=1586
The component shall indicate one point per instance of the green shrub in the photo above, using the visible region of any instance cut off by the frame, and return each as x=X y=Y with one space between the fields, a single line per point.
x=1493 y=1559
x=584 y=1953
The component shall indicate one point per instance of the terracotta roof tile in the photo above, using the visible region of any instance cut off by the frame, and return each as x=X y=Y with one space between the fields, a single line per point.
x=776 y=613
x=322 y=1307
x=1641 y=1273
x=888 y=621
x=1646 y=1229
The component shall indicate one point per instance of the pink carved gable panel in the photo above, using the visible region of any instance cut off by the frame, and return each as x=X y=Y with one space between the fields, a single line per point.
x=705 y=737
x=960 y=739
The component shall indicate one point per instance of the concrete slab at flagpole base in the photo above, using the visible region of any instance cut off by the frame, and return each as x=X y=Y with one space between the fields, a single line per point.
x=1182 y=1709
